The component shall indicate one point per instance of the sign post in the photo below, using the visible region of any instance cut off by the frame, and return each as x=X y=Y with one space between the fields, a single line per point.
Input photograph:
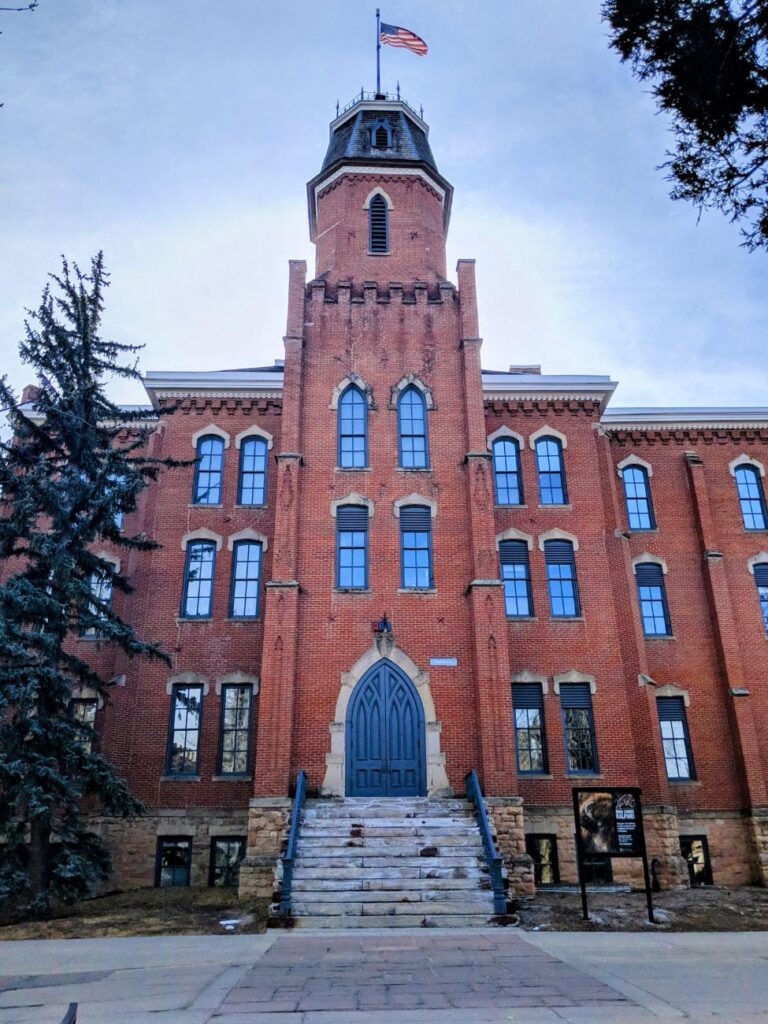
x=609 y=822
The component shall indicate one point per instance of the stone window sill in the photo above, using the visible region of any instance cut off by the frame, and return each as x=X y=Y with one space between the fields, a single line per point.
x=535 y=776
x=180 y=778
x=652 y=529
x=560 y=508
x=351 y=590
x=243 y=618
x=417 y=590
x=231 y=778
x=193 y=504
x=413 y=469
x=684 y=782
x=522 y=618
x=239 y=504
x=502 y=508
x=567 y=618
x=353 y=469
x=661 y=636
x=583 y=776
x=193 y=618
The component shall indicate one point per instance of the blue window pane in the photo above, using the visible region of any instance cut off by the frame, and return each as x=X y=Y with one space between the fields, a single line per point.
x=209 y=471
x=186 y=710
x=253 y=472
x=506 y=472
x=549 y=463
x=353 y=429
x=562 y=591
x=198 y=581
x=517 y=591
x=246 y=577
x=637 y=494
x=763 y=595
x=412 y=419
x=352 y=559
x=417 y=560
x=751 y=497
x=653 y=610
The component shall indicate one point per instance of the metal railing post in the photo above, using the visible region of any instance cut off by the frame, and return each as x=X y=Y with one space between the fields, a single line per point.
x=290 y=850
x=474 y=793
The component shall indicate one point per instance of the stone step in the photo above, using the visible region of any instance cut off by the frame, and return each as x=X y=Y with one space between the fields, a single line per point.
x=386 y=829
x=366 y=859
x=344 y=897
x=419 y=869
x=356 y=883
x=350 y=809
x=387 y=921
x=305 y=908
x=450 y=846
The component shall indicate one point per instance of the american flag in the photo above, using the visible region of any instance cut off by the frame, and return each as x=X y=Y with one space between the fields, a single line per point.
x=393 y=35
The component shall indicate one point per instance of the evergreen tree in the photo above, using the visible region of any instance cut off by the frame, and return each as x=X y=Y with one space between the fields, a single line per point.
x=707 y=61
x=67 y=480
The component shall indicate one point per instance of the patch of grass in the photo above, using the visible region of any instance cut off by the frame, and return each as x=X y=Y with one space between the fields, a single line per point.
x=182 y=911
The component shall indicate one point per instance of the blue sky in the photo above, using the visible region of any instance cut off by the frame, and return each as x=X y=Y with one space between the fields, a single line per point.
x=178 y=136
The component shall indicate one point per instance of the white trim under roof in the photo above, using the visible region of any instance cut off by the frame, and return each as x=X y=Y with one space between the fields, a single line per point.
x=195 y=383
x=685 y=418
x=560 y=387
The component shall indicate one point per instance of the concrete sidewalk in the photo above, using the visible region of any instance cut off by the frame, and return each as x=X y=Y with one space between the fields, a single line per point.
x=419 y=976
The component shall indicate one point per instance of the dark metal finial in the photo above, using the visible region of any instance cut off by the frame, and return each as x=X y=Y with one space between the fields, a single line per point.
x=421 y=113
x=398 y=90
x=337 y=108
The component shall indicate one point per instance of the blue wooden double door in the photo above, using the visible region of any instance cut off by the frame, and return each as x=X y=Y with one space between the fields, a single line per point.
x=385 y=753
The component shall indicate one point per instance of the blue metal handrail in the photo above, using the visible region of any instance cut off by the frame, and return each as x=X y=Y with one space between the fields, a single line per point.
x=290 y=850
x=475 y=794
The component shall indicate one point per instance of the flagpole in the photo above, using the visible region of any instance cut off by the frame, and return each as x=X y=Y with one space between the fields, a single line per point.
x=378 y=51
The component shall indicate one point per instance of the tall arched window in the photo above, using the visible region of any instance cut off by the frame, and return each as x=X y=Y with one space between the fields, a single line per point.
x=353 y=429
x=549 y=462
x=506 y=472
x=751 y=497
x=412 y=429
x=637 y=494
x=378 y=225
x=209 y=471
x=252 y=486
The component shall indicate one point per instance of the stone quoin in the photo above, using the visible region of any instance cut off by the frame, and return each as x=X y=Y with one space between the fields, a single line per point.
x=392 y=566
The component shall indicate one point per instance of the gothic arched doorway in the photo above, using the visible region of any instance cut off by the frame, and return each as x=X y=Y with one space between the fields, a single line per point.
x=385 y=736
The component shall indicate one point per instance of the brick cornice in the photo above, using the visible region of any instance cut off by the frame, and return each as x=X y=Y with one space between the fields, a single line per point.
x=685 y=435
x=559 y=404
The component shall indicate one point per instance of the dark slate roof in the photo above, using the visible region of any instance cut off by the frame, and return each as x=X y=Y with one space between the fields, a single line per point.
x=351 y=140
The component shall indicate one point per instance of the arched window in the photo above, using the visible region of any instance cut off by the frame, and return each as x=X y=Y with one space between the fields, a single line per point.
x=751 y=497
x=197 y=597
x=506 y=472
x=549 y=462
x=246 y=577
x=353 y=429
x=209 y=471
x=412 y=427
x=378 y=225
x=637 y=494
x=561 y=579
x=252 y=486
x=652 y=595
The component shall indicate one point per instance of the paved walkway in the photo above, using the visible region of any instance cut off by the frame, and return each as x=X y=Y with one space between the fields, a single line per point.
x=478 y=976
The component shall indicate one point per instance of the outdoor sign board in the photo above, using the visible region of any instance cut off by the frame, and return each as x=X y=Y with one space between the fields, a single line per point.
x=609 y=821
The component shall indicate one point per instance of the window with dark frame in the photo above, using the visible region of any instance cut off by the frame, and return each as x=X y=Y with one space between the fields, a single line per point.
x=174 y=861
x=507 y=478
x=652 y=595
x=542 y=849
x=749 y=487
x=578 y=729
x=695 y=851
x=235 y=745
x=551 y=471
x=208 y=471
x=637 y=495
x=246 y=579
x=516 y=576
x=378 y=226
x=530 y=733
x=101 y=589
x=252 y=482
x=675 y=739
x=184 y=730
x=563 y=587
x=197 y=597
x=412 y=429
x=416 y=547
x=353 y=429
x=352 y=547
x=761 y=582
x=83 y=711
x=227 y=853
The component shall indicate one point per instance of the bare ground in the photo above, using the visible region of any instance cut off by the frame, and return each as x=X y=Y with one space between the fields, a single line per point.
x=146 y=912
x=705 y=909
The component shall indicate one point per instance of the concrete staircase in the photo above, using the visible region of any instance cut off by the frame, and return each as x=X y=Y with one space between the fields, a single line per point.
x=388 y=863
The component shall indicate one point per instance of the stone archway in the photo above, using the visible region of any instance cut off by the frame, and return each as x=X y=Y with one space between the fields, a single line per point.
x=335 y=772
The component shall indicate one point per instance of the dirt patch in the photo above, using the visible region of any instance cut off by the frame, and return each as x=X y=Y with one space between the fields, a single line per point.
x=147 y=912
x=704 y=909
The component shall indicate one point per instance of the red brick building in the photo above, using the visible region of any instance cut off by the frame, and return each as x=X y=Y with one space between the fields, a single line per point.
x=572 y=593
